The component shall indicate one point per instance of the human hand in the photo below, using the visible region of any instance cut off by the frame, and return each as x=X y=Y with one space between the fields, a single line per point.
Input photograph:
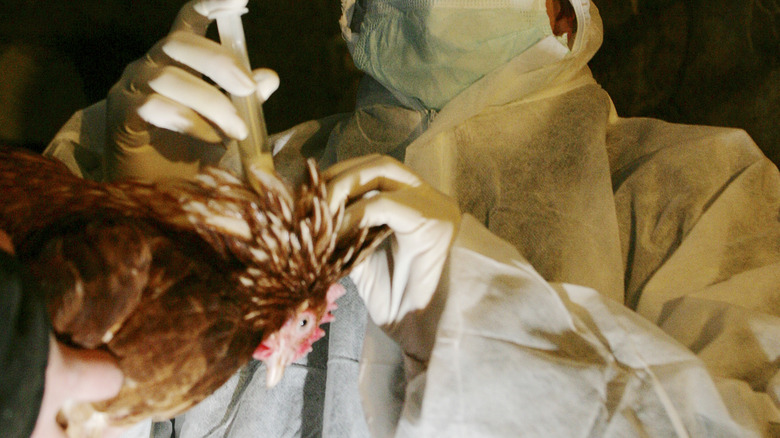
x=397 y=284
x=71 y=375
x=74 y=375
x=162 y=117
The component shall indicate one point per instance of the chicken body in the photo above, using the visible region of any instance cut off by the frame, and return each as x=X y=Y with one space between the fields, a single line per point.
x=181 y=281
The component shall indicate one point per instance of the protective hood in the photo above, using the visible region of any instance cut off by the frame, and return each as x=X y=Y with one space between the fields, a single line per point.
x=546 y=65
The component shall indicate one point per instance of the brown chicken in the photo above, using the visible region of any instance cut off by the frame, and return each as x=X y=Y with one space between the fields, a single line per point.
x=182 y=282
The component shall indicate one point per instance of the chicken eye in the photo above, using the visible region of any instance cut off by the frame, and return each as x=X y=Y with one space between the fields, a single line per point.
x=303 y=322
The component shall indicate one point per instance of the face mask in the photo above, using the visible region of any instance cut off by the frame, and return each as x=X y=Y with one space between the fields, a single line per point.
x=431 y=50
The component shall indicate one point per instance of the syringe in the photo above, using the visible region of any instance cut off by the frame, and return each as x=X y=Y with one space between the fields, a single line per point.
x=254 y=149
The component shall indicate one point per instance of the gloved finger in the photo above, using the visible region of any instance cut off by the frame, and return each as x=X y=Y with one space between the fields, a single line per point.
x=165 y=113
x=351 y=179
x=394 y=209
x=205 y=57
x=195 y=16
x=267 y=82
x=196 y=94
x=344 y=166
x=133 y=106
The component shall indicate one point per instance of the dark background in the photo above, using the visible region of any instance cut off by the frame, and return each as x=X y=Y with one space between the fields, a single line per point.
x=713 y=62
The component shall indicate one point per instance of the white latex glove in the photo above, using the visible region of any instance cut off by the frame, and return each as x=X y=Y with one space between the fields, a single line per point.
x=397 y=282
x=163 y=119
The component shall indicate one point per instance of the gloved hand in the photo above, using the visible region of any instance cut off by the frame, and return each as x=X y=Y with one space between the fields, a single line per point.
x=398 y=282
x=163 y=119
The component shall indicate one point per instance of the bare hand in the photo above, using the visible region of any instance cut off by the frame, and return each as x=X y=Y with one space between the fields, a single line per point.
x=75 y=375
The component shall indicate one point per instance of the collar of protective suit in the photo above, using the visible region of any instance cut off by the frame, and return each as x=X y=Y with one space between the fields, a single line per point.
x=545 y=70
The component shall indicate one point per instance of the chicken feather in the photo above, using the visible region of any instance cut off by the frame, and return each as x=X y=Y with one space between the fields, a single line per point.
x=181 y=281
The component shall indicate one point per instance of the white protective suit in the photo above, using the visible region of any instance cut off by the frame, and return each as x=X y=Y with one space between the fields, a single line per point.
x=681 y=223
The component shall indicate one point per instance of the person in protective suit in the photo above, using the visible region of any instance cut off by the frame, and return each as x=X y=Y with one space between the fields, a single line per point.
x=612 y=275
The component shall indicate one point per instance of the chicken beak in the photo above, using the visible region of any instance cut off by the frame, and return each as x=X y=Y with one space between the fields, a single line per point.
x=274 y=370
x=275 y=365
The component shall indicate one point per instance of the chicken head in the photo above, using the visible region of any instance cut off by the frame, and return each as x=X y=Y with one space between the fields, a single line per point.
x=296 y=337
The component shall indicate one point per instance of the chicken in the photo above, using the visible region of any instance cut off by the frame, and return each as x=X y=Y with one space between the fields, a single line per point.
x=183 y=282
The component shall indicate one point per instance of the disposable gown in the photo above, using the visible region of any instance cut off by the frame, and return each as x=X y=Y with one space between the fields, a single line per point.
x=612 y=277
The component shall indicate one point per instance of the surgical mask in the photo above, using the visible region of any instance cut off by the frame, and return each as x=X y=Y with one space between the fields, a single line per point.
x=431 y=50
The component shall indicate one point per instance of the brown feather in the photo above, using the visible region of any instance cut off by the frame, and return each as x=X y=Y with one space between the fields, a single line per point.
x=179 y=280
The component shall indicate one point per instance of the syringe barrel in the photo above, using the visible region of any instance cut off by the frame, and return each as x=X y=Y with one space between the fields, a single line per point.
x=231 y=34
